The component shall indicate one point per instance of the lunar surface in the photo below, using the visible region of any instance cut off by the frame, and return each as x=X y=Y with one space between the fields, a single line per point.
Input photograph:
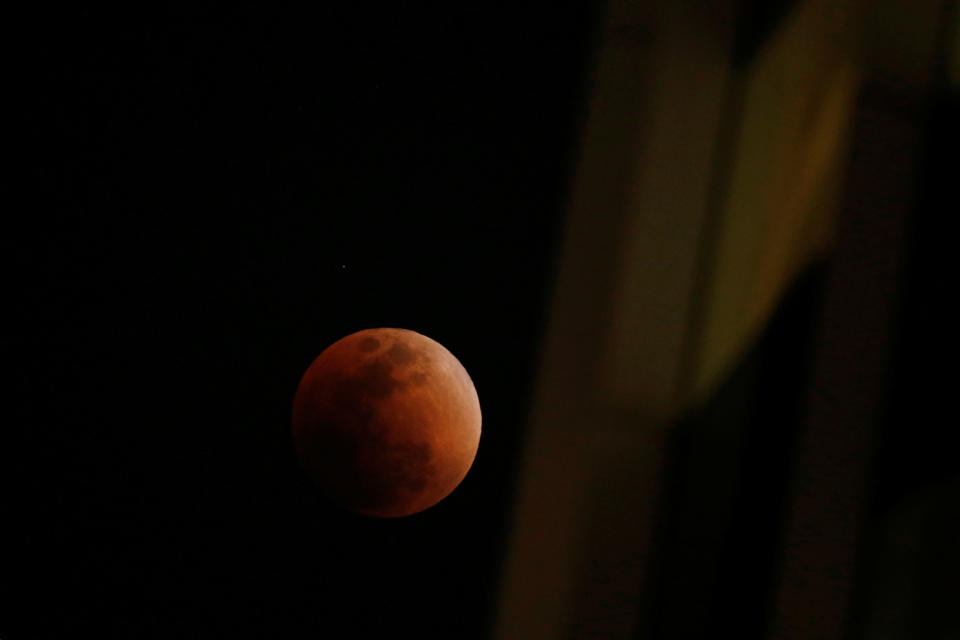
x=387 y=422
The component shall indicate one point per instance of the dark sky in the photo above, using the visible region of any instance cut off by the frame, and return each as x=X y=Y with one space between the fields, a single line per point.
x=216 y=195
x=213 y=195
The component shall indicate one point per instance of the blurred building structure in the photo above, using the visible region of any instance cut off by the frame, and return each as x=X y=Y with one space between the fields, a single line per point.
x=703 y=435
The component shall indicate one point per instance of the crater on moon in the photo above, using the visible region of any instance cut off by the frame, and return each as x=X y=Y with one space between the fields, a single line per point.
x=368 y=344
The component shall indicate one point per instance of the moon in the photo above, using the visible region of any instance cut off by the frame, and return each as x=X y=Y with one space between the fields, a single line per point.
x=387 y=422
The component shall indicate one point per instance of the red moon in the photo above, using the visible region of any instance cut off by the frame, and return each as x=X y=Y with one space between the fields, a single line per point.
x=387 y=422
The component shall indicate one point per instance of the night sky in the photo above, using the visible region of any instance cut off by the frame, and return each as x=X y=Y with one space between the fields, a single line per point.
x=212 y=195
x=217 y=194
